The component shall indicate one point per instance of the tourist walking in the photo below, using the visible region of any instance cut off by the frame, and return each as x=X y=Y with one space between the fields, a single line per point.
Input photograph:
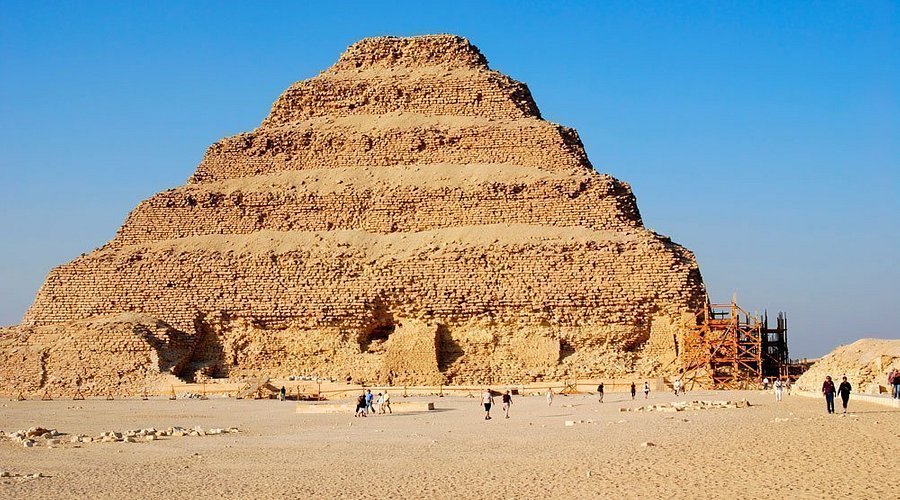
x=646 y=390
x=282 y=393
x=600 y=391
x=379 y=402
x=844 y=391
x=828 y=391
x=766 y=383
x=369 y=401
x=549 y=396
x=361 y=405
x=894 y=383
x=890 y=382
x=897 y=384
x=787 y=385
x=779 y=389
x=633 y=390
x=487 y=399
x=507 y=401
x=386 y=403
x=676 y=385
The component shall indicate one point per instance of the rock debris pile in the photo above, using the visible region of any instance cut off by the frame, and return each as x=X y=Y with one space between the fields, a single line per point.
x=866 y=364
x=50 y=438
x=689 y=406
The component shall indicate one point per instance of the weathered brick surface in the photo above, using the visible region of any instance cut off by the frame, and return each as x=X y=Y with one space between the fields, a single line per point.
x=445 y=51
x=459 y=92
x=342 y=143
x=120 y=354
x=403 y=217
x=310 y=203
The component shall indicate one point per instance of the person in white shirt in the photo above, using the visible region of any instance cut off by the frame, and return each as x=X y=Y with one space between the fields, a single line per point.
x=385 y=403
x=646 y=390
x=549 y=397
x=487 y=399
x=677 y=385
x=779 y=389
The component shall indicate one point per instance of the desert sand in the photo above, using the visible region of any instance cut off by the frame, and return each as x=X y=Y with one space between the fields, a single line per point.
x=792 y=448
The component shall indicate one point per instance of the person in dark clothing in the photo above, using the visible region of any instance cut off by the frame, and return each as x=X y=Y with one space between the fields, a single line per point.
x=600 y=391
x=828 y=391
x=282 y=393
x=361 y=405
x=633 y=390
x=507 y=402
x=894 y=382
x=844 y=390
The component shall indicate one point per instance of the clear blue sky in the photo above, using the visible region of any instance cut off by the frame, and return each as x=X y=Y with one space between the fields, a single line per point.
x=762 y=135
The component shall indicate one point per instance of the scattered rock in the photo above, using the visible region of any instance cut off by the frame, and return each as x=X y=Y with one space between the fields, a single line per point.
x=36 y=432
x=684 y=406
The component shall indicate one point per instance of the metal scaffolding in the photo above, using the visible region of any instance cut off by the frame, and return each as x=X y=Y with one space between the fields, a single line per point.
x=725 y=347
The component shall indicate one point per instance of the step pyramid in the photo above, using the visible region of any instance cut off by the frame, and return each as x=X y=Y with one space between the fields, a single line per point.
x=404 y=217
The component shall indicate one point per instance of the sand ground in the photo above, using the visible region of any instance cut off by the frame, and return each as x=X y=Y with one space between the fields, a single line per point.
x=454 y=453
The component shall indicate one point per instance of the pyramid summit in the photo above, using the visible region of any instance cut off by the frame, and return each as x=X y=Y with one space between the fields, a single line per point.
x=445 y=51
x=403 y=217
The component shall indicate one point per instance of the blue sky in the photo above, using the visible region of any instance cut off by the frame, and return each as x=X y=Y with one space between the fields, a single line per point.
x=761 y=135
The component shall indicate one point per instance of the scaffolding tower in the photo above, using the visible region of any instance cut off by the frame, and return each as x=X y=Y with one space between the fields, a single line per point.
x=725 y=347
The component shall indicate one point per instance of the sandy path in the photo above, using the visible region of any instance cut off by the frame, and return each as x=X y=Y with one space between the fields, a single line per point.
x=455 y=453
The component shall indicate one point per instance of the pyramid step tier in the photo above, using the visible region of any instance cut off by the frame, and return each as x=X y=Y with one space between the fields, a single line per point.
x=394 y=140
x=432 y=92
x=445 y=51
x=383 y=200
x=521 y=273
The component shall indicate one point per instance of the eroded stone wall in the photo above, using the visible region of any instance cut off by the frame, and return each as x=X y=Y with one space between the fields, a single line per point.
x=121 y=354
x=453 y=93
x=594 y=202
x=396 y=140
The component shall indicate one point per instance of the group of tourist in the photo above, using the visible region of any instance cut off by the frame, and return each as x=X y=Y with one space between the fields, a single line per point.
x=893 y=381
x=843 y=390
x=778 y=387
x=370 y=403
x=381 y=403
x=829 y=391
x=487 y=401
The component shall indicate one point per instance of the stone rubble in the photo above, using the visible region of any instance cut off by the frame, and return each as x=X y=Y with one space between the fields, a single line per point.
x=52 y=438
x=688 y=406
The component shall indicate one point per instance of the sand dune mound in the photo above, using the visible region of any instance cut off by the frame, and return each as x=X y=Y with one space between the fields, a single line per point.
x=406 y=215
x=865 y=363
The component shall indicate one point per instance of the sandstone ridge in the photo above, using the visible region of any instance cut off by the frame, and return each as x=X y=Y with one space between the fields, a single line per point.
x=404 y=217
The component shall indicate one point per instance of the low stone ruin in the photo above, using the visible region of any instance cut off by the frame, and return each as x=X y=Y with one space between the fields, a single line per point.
x=689 y=406
x=51 y=438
